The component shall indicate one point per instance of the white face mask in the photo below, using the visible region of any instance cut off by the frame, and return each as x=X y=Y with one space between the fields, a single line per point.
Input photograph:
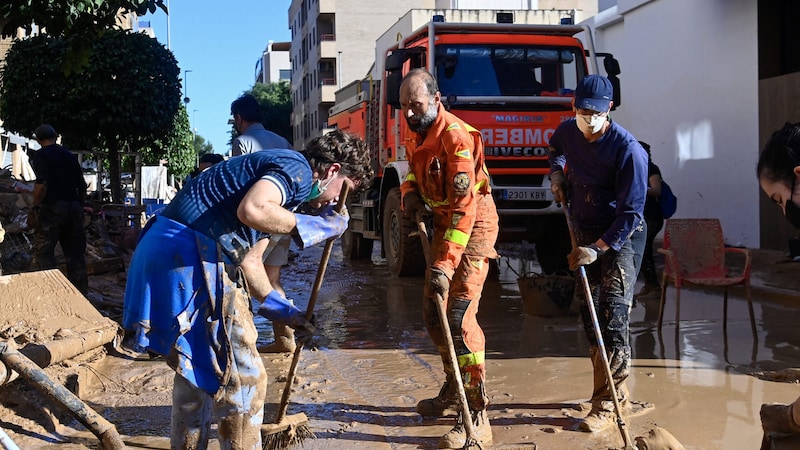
x=590 y=124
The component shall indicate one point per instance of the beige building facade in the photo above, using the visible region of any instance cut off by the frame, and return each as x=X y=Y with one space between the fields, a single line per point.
x=333 y=43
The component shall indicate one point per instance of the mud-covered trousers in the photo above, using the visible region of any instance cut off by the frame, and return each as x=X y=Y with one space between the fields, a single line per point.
x=462 y=305
x=240 y=402
x=612 y=281
x=62 y=222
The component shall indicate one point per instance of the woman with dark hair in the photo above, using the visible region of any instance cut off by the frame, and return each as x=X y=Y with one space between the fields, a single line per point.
x=778 y=171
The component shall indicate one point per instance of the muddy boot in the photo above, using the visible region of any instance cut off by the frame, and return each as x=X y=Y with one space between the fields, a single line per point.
x=658 y=439
x=457 y=437
x=778 y=418
x=284 y=340
x=602 y=414
x=439 y=406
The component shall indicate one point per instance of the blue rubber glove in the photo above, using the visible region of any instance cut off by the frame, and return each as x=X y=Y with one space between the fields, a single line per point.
x=276 y=308
x=312 y=230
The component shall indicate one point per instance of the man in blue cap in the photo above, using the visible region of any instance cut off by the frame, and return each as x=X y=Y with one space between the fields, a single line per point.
x=604 y=188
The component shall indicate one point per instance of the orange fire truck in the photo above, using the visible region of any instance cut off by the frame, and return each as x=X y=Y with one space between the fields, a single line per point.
x=515 y=83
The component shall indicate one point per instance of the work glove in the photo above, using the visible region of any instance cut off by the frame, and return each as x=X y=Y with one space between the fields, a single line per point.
x=413 y=205
x=278 y=309
x=558 y=186
x=581 y=256
x=311 y=230
x=438 y=282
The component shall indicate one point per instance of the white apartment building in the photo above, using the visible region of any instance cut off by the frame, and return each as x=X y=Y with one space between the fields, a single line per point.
x=274 y=65
x=333 y=44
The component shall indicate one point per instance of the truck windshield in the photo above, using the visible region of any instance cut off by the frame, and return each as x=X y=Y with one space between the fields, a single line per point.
x=507 y=70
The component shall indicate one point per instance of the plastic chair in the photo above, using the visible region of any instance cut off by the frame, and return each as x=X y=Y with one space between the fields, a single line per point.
x=694 y=251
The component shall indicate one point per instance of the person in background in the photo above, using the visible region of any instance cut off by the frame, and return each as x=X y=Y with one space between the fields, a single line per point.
x=199 y=263
x=252 y=134
x=447 y=173
x=778 y=172
x=604 y=190
x=253 y=137
x=57 y=212
x=205 y=161
x=655 y=222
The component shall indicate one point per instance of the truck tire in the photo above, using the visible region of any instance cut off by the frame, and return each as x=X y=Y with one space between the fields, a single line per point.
x=356 y=246
x=403 y=252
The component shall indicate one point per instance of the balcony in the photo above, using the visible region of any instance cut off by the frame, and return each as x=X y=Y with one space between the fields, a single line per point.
x=328 y=88
x=327 y=46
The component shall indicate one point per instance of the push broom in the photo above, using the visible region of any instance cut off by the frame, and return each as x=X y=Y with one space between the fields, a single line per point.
x=623 y=429
x=286 y=431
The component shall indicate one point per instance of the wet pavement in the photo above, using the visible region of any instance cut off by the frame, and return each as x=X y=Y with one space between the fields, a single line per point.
x=374 y=362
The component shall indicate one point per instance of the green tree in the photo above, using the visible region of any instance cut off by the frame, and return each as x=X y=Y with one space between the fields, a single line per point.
x=275 y=100
x=81 y=22
x=201 y=146
x=126 y=98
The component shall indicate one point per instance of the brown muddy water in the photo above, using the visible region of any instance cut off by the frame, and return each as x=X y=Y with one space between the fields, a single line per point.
x=374 y=362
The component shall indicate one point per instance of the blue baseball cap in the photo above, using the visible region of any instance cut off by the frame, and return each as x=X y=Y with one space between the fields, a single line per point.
x=594 y=92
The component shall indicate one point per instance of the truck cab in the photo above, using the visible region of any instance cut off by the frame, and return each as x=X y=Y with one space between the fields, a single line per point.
x=515 y=83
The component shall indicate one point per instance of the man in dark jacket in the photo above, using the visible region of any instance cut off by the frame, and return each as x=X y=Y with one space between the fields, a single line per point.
x=57 y=210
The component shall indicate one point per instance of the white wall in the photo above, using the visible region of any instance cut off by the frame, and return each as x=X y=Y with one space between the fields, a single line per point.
x=690 y=89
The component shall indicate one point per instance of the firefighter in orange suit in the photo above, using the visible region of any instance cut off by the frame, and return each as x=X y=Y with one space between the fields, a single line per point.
x=447 y=173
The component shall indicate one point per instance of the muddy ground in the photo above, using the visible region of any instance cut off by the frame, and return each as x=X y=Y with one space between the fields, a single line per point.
x=374 y=361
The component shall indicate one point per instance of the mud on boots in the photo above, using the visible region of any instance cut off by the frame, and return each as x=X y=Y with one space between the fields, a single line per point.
x=478 y=404
x=284 y=340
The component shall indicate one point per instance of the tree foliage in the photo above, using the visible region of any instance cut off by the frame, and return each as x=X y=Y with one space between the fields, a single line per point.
x=276 y=107
x=80 y=22
x=176 y=148
x=126 y=98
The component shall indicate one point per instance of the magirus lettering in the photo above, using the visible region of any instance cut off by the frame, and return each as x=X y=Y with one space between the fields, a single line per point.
x=515 y=151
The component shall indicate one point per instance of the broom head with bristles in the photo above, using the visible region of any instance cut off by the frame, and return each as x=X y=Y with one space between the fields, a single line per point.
x=292 y=430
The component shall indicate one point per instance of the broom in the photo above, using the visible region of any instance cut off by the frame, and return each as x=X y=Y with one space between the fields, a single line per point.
x=623 y=429
x=287 y=431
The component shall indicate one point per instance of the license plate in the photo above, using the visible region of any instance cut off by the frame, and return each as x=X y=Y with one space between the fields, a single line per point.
x=527 y=194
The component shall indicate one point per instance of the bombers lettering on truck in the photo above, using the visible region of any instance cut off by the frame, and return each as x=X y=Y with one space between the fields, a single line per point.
x=515 y=151
x=517 y=136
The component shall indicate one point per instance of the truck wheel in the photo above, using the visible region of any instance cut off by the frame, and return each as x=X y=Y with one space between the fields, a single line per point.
x=403 y=252
x=356 y=246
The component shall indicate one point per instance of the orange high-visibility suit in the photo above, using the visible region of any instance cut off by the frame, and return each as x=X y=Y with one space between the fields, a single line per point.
x=447 y=170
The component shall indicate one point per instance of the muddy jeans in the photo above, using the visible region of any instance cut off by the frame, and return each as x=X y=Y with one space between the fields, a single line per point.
x=62 y=222
x=239 y=403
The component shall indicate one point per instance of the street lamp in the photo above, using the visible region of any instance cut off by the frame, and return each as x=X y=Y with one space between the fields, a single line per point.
x=186 y=87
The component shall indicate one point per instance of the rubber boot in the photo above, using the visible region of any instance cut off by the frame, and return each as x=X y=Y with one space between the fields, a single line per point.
x=457 y=437
x=444 y=403
x=284 y=340
x=603 y=414
x=658 y=439
x=779 y=418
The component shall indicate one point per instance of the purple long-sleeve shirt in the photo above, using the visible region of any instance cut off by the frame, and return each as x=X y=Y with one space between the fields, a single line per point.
x=608 y=179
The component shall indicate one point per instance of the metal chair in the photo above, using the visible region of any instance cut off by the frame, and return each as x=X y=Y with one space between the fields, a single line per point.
x=694 y=253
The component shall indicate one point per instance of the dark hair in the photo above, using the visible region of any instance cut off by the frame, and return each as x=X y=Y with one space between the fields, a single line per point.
x=428 y=79
x=344 y=148
x=780 y=155
x=45 y=132
x=211 y=158
x=247 y=107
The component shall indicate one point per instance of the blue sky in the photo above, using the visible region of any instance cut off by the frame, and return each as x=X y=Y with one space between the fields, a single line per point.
x=219 y=43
